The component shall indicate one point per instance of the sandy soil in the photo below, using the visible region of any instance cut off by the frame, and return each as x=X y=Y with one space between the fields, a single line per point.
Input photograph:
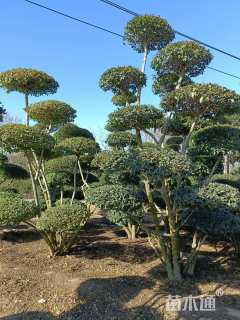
x=106 y=277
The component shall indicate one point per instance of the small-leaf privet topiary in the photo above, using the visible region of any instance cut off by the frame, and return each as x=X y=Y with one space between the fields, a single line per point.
x=14 y=209
x=121 y=139
x=70 y=130
x=51 y=112
x=62 y=224
x=148 y=33
x=30 y=82
x=125 y=80
x=122 y=204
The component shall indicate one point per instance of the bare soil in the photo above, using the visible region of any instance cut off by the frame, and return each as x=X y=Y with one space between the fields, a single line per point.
x=106 y=278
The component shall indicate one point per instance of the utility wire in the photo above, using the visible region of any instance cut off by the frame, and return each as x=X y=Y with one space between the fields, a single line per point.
x=117 y=6
x=73 y=18
x=104 y=29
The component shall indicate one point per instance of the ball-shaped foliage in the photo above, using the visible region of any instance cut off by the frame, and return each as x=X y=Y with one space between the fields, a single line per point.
x=122 y=80
x=122 y=204
x=148 y=31
x=218 y=139
x=19 y=137
x=174 y=142
x=51 y=112
x=61 y=164
x=28 y=81
x=218 y=195
x=57 y=180
x=83 y=148
x=14 y=210
x=124 y=99
x=164 y=163
x=127 y=118
x=64 y=218
x=200 y=99
x=165 y=83
x=185 y=58
x=121 y=139
x=70 y=130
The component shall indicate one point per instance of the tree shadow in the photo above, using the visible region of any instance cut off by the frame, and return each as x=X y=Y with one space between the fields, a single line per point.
x=19 y=235
x=103 y=299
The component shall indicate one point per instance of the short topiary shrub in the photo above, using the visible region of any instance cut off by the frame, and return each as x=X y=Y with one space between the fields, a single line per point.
x=14 y=210
x=60 y=226
x=122 y=204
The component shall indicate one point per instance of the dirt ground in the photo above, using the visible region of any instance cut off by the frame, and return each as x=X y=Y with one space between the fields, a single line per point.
x=106 y=278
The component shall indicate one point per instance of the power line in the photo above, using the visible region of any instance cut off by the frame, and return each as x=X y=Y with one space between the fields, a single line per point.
x=73 y=18
x=117 y=6
x=104 y=29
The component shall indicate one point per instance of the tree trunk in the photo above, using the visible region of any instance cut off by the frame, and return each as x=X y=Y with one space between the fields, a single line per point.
x=145 y=55
x=74 y=182
x=26 y=105
x=186 y=141
x=226 y=164
x=34 y=186
x=138 y=136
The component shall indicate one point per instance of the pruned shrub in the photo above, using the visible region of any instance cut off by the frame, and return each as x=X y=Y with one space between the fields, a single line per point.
x=14 y=209
x=122 y=204
x=61 y=225
x=121 y=139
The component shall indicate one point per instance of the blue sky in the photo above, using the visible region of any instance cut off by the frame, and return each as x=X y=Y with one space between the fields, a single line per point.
x=77 y=55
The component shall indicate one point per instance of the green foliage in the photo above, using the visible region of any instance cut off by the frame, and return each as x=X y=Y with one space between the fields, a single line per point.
x=200 y=99
x=19 y=137
x=51 y=112
x=218 y=139
x=148 y=31
x=57 y=180
x=61 y=164
x=66 y=201
x=83 y=148
x=127 y=118
x=122 y=204
x=165 y=83
x=122 y=80
x=124 y=99
x=20 y=186
x=64 y=218
x=174 y=142
x=220 y=196
x=28 y=81
x=70 y=130
x=184 y=58
x=121 y=139
x=13 y=209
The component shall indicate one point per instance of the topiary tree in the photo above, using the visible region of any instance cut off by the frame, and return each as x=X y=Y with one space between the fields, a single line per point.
x=33 y=143
x=123 y=206
x=14 y=209
x=183 y=58
x=127 y=81
x=217 y=141
x=139 y=119
x=62 y=224
x=51 y=113
x=84 y=150
x=70 y=130
x=121 y=139
x=198 y=100
x=30 y=82
x=146 y=33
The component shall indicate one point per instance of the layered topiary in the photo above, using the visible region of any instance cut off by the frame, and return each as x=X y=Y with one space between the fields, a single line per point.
x=133 y=117
x=51 y=112
x=123 y=205
x=70 y=130
x=14 y=210
x=121 y=139
x=28 y=81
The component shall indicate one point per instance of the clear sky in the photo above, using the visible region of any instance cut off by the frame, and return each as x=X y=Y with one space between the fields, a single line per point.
x=76 y=55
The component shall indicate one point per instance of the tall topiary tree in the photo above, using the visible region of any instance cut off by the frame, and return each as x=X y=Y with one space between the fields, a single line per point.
x=147 y=33
x=30 y=82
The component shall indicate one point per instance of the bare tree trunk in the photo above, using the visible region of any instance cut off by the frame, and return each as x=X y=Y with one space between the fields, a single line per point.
x=226 y=164
x=186 y=141
x=145 y=55
x=34 y=186
x=26 y=105
x=138 y=136
x=74 y=182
